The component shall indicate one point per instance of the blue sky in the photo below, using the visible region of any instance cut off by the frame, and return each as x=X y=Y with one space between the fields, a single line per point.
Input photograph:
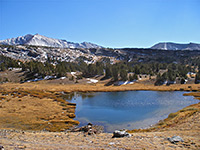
x=110 y=23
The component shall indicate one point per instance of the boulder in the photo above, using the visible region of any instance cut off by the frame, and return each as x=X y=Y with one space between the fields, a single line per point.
x=1 y=147
x=175 y=139
x=89 y=129
x=119 y=134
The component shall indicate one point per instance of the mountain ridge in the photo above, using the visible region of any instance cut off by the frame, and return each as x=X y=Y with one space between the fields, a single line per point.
x=40 y=40
x=176 y=46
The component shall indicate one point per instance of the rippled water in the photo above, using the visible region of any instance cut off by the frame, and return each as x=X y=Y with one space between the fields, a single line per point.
x=130 y=109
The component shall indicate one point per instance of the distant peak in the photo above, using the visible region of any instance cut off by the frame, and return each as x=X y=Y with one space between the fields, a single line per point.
x=176 y=46
x=37 y=34
x=28 y=35
x=85 y=42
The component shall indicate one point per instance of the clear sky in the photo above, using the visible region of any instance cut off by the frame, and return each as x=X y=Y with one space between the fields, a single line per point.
x=110 y=23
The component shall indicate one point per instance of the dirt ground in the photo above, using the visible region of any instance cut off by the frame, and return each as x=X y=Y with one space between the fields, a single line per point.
x=189 y=132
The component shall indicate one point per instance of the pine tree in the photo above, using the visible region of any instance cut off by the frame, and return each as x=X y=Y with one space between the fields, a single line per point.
x=135 y=76
x=115 y=73
x=197 y=78
x=108 y=73
x=123 y=75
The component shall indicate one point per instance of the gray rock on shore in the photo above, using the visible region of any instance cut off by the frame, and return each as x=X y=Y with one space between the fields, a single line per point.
x=119 y=134
x=89 y=129
x=175 y=139
x=1 y=147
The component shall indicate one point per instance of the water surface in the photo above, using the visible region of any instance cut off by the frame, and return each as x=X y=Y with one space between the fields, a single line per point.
x=130 y=109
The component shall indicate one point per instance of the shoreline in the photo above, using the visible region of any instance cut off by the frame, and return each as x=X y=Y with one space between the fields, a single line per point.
x=190 y=133
x=185 y=122
x=139 y=124
x=54 y=92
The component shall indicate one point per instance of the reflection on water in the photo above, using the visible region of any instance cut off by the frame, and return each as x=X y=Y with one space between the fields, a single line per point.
x=74 y=95
x=130 y=109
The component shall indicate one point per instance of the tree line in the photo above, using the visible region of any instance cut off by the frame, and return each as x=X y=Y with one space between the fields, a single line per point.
x=120 y=71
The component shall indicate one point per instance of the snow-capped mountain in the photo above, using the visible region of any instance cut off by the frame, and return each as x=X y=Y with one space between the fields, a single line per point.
x=176 y=46
x=40 y=40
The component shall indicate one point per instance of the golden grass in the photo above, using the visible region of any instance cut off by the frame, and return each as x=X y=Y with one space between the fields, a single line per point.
x=43 y=86
x=195 y=94
x=35 y=110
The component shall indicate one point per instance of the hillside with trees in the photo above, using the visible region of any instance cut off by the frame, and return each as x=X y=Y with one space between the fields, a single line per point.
x=123 y=70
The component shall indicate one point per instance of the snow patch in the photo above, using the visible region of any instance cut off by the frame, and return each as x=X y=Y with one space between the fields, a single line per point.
x=123 y=82
x=92 y=80
x=62 y=78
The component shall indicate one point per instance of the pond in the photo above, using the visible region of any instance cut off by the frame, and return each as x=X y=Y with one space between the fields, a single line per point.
x=129 y=110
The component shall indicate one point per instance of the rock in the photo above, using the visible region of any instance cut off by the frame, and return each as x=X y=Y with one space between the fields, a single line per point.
x=90 y=129
x=118 y=133
x=90 y=124
x=98 y=129
x=90 y=132
x=175 y=139
x=21 y=147
x=1 y=147
x=111 y=143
